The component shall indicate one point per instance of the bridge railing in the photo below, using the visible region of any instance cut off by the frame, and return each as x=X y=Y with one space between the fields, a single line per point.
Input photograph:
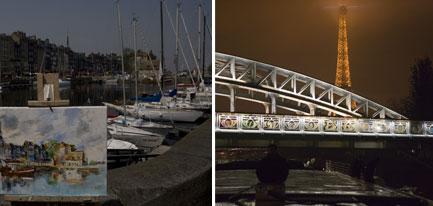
x=266 y=123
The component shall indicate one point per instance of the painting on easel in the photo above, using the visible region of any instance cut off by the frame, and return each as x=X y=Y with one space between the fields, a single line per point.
x=58 y=152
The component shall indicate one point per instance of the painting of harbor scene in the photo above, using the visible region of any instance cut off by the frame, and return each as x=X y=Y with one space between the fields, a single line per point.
x=53 y=152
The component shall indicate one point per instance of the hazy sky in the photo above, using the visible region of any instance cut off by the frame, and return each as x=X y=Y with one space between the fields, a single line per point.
x=385 y=38
x=84 y=127
x=92 y=25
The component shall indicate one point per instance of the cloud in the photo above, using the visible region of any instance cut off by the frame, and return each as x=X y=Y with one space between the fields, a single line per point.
x=9 y=121
x=81 y=126
x=72 y=115
x=45 y=128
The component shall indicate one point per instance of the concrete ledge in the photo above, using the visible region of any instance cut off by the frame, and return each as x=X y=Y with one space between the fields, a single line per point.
x=182 y=176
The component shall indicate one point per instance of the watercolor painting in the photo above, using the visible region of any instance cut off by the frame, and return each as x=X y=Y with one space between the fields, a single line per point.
x=58 y=152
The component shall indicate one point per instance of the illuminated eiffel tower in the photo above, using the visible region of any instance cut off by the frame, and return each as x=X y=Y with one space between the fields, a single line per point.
x=342 y=76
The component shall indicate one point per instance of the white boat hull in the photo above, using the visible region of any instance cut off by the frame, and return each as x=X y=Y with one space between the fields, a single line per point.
x=138 y=123
x=161 y=113
x=140 y=138
x=170 y=115
x=119 y=144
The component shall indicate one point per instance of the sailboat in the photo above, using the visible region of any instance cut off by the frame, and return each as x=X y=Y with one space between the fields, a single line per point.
x=114 y=144
x=158 y=112
x=142 y=139
x=138 y=122
x=194 y=97
x=161 y=108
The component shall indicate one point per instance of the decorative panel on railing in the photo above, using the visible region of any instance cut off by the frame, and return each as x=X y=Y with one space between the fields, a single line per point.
x=263 y=123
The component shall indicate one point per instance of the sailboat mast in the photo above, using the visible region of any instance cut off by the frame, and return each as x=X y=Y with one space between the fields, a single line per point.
x=177 y=43
x=121 y=57
x=162 y=45
x=204 y=44
x=199 y=40
x=134 y=21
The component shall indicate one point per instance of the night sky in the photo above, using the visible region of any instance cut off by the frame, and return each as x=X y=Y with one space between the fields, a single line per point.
x=92 y=25
x=385 y=37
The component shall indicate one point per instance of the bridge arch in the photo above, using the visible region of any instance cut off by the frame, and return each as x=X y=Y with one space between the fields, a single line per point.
x=289 y=90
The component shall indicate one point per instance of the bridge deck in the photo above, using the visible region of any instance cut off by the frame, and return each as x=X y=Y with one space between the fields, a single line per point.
x=311 y=186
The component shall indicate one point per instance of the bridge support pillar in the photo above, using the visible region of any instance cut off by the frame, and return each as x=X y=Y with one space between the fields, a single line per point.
x=273 y=105
x=232 y=99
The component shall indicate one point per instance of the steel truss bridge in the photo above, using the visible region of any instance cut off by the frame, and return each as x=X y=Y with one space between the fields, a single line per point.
x=310 y=111
x=277 y=88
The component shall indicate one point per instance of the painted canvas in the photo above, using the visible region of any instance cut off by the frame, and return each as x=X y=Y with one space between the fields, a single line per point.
x=58 y=152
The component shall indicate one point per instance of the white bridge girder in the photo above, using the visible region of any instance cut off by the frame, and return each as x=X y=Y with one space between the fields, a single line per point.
x=276 y=83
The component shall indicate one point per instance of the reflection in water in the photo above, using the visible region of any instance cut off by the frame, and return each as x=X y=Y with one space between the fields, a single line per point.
x=78 y=94
x=71 y=181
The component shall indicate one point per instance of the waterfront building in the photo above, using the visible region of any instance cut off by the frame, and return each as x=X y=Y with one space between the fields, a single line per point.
x=74 y=159
x=22 y=56
x=7 y=52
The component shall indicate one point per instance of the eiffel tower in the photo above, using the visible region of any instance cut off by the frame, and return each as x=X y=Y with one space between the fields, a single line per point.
x=342 y=76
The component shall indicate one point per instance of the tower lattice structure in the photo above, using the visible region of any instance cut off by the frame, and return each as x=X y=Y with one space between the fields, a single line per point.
x=342 y=76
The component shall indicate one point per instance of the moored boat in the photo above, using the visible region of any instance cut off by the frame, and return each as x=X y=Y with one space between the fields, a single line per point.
x=140 y=138
x=159 y=112
x=138 y=122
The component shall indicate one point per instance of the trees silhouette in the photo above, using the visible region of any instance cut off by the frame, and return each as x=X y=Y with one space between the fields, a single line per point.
x=419 y=105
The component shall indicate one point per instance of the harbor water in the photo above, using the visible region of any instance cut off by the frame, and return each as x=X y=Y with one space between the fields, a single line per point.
x=48 y=183
x=78 y=94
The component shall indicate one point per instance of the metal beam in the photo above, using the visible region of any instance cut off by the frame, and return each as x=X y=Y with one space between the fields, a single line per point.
x=232 y=99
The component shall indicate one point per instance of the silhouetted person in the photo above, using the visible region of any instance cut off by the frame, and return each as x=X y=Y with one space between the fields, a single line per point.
x=370 y=168
x=273 y=168
x=272 y=173
x=356 y=168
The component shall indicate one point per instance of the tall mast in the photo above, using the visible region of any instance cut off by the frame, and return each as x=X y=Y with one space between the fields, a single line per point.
x=177 y=43
x=162 y=45
x=121 y=58
x=67 y=38
x=199 y=40
x=204 y=44
x=134 y=22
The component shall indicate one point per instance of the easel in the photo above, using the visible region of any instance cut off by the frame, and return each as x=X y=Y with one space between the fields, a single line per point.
x=48 y=91
x=49 y=96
